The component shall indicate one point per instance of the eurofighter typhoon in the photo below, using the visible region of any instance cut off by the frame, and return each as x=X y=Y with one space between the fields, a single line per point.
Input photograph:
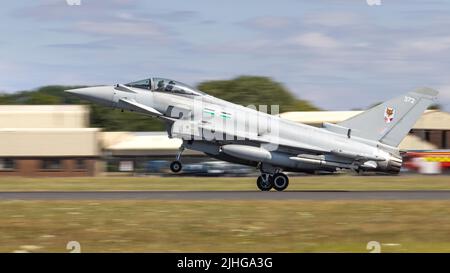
x=367 y=142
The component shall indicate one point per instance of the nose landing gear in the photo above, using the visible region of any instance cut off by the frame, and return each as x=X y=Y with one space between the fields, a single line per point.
x=176 y=165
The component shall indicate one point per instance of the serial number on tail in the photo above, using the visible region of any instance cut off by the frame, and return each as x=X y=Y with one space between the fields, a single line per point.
x=409 y=100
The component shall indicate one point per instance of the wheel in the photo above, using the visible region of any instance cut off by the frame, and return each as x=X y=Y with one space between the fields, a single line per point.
x=280 y=181
x=264 y=185
x=176 y=166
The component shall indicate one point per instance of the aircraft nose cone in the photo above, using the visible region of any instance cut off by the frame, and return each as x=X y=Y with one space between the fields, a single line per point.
x=100 y=94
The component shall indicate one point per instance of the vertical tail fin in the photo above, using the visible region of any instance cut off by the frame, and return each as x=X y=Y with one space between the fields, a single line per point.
x=391 y=121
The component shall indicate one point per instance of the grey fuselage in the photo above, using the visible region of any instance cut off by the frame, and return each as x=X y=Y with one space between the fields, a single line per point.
x=239 y=134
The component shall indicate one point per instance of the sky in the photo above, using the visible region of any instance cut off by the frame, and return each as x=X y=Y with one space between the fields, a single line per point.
x=338 y=54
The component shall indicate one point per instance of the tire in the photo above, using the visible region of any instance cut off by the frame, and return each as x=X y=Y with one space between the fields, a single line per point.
x=176 y=166
x=280 y=181
x=264 y=186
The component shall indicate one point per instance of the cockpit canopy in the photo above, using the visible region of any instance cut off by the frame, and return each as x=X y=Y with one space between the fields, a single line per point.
x=165 y=85
x=143 y=84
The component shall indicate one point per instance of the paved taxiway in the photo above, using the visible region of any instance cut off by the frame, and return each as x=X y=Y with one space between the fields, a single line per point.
x=226 y=195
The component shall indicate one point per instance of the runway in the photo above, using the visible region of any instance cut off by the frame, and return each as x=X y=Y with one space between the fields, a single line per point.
x=226 y=195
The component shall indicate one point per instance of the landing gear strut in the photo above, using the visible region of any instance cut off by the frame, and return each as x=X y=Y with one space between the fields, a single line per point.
x=176 y=165
x=264 y=182
x=278 y=181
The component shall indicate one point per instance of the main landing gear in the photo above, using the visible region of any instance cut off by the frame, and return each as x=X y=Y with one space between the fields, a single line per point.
x=264 y=182
x=278 y=181
x=176 y=165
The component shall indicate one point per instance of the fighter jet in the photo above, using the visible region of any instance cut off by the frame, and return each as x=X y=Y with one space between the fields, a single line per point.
x=367 y=142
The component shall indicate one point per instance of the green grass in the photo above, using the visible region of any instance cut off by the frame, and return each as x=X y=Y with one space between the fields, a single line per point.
x=335 y=182
x=225 y=226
